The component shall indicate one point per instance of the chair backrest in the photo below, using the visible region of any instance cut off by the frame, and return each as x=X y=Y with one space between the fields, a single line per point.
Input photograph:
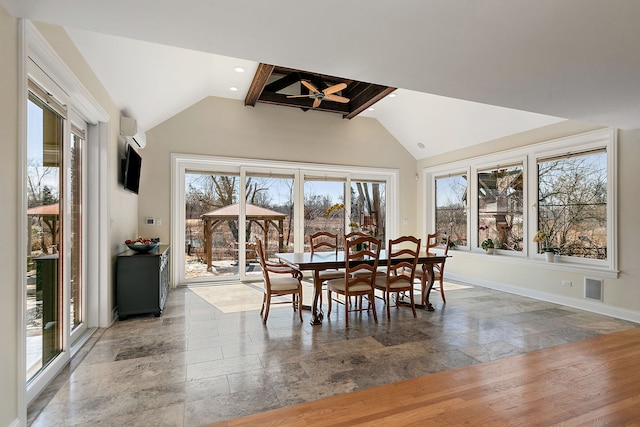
x=355 y=234
x=402 y=259
x=361 y=258
x=323 y=241
x=263 y=263
x=447 y=244
x=435 y=239
x=260 y=251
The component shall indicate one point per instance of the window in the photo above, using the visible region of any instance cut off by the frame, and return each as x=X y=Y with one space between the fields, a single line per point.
x=564 y=188
x=500 y=202
x=572 y=204
x=451 y=207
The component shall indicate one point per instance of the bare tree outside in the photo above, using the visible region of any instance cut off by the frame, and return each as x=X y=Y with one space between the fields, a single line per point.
x=572 y=204
x=368 y=207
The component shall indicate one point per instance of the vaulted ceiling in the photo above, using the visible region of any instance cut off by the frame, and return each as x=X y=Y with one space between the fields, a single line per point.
x=466 y=72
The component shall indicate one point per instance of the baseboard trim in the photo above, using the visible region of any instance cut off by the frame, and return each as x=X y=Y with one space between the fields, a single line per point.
x=594 y=307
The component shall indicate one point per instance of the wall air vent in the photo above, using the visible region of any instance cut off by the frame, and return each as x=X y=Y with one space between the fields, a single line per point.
x=593 y=288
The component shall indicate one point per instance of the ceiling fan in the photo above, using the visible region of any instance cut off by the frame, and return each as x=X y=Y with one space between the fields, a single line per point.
x=318 y=96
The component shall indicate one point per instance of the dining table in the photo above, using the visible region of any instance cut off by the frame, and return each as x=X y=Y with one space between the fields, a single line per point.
x=319 y=261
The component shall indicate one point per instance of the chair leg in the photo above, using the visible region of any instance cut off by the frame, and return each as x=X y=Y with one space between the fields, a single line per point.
x=346 y=312
x=413 y=303
x=264 y=300
x=329 y=302
x=423 y=284
x=373 y=306
x=442 y=289
x=387 y=296
x=266 y=312
x=299 y=304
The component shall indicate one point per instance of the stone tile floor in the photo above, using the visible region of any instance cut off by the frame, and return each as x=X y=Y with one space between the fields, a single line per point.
x=209 y=357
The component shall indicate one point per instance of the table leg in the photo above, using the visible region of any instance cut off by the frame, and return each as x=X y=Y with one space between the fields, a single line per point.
x=317 y=314
x=427 y=271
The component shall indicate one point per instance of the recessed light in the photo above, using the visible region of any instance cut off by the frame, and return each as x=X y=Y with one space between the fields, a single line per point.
x=370 y=109
x=239 y=70
x=233 y=89
x=421 y=145
x=392 y=95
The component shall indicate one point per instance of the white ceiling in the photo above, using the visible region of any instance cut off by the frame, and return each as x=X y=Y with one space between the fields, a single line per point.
x=576 y=59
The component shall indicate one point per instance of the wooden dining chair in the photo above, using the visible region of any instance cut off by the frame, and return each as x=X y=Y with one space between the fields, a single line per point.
x=402 y=261
x=354 y=235
x=279 y=280
x=361 y=255
x=434 y=240
x=323 y=241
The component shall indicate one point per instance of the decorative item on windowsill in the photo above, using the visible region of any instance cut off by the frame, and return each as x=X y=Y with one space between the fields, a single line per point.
x=354 y=226
x=142 y=244
x=488 y=245
x=548 y=250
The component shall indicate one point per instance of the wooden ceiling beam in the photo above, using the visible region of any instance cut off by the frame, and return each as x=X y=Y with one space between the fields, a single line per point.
x=304 y=103
x=377 y=93
x=260 y=80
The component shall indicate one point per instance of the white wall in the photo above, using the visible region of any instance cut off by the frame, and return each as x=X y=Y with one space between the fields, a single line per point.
x=9 y=192
x=621 y=295
x=224 y=127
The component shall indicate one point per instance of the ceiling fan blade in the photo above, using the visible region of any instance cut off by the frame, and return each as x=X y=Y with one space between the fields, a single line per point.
x=337 y=98
x=309 y=86
x=309 y=95
x=335 y=88
x=316 y=102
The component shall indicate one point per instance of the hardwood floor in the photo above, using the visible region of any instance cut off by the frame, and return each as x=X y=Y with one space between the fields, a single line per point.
x=590 y=382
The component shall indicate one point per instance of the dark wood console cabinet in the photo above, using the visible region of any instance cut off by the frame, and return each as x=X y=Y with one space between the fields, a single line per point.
x=142 y=282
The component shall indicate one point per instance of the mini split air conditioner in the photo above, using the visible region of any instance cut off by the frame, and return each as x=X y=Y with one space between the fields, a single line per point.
x=129 y=131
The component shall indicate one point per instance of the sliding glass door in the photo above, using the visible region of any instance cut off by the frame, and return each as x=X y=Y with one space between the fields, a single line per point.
x=44 y=264
x=324 y=206
x=269 y=215
x=55 y=288
x=225 y=205
x=211 y=225
x=369 y=207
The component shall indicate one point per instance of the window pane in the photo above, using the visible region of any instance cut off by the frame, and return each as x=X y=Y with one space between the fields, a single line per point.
x=451 y=207
x=500 y=202
x=44 y=287
x=76 y=239
x=368 y=207
x=323 y=208
x=572 y=204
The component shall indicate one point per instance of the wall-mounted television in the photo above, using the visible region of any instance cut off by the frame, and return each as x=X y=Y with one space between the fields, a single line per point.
x=131 y=170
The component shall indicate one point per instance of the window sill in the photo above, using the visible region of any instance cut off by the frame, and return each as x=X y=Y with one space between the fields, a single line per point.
x=539 y=261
